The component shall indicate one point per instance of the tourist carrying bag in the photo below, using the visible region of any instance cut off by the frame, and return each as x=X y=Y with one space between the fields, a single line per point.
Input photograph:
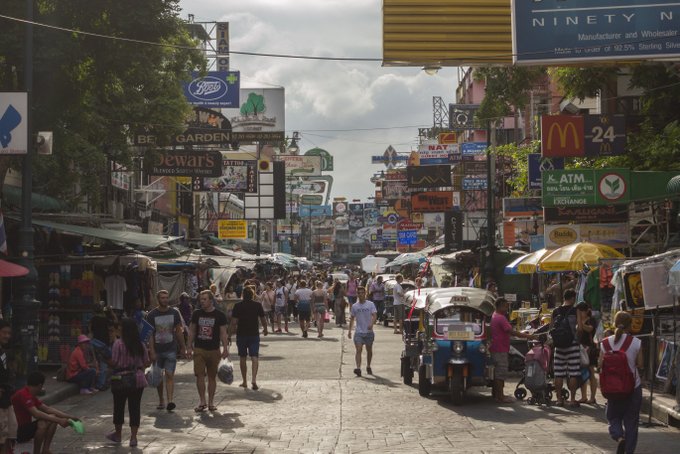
x=616 y=379
x=561 y=334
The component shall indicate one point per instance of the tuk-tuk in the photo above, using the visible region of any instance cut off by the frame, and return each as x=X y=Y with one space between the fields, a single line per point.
x=413 y=331
x=455 y=349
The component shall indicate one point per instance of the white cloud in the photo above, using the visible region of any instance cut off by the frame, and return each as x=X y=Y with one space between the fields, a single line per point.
x=331 y=95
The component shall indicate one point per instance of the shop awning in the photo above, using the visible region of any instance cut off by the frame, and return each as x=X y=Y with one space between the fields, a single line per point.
x=39 y=202
x=146 y=240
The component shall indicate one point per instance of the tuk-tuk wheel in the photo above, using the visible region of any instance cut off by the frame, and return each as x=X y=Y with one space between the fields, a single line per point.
x=424 y=385
x=406 y=371
x=456 y=389
x=520 y=393
x=565 y=394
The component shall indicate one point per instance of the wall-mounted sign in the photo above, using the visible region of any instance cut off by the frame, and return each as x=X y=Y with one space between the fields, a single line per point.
x=215 y=89
x=584 y=187
x=311 y=199
x=470 y=150
x=230 y=229
x=453 y=230
x=611 y=213
x=433 y=220
x=537 y=164
x=395 y=190
x=326 y=158
x=462 y=116
x=522 y=207
x=371 y=214
x=582 y=135
x=301 y=166
x=13 y=123
x=474 y=184
x=559 y=32
x=237 y=176
x=407 y=237
x=429 y=176
x=432 y=201
x=356 y=215
x=315 y=211
x=474 y=168
x=185 y=163
x=434 y=154
x=396 y=175
x=448 y=138
x=614 y=235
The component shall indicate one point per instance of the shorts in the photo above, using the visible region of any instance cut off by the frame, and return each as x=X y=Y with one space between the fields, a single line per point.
x=567 y=362
x=320 y=308
x=167 y=360
x=8 y=424
x=206 y=360
x=500 y=365
x=304 y=315
x=281 y=310
x=364 y=338
x=27 y=432
x=248 y=346
x=398 y=312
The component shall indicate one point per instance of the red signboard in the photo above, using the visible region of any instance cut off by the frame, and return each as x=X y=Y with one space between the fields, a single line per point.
x=562 y=136
x=432 y=201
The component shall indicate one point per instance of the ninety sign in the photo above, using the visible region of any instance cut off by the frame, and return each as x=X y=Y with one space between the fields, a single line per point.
x=562 y=135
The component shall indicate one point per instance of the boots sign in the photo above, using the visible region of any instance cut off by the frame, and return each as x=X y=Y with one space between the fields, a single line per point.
x=181 y=163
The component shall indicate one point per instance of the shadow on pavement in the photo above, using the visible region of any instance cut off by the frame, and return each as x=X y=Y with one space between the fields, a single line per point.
x=224 y=422
x=236 y=393
x=172 y=421
x=379 y=380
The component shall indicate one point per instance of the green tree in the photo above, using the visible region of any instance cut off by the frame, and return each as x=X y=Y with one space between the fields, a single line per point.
x=254 y=105
x=94 y=93
x=518 y=156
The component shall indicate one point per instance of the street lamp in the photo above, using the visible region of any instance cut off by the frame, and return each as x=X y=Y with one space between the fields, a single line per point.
x=294 y=148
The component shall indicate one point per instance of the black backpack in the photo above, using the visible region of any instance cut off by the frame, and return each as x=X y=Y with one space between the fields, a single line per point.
x=561 y=333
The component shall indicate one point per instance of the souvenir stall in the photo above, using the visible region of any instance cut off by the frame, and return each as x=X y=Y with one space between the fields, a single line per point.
x=68 y=290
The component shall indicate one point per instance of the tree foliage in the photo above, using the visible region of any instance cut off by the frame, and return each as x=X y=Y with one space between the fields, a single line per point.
x=93 y=93
x=518 y=180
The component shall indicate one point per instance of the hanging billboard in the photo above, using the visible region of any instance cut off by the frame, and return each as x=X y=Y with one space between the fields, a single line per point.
x=559 y=32
x=301 y=166
x=356 y=215
x=260 y=116
x=432 y=201
x=238 y=176
x=429 y=176
x=214 y=89
x=14 y=137
x=184 y=163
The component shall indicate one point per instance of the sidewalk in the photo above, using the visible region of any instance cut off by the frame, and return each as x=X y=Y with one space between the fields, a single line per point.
x=56 y=391
x=662 y=408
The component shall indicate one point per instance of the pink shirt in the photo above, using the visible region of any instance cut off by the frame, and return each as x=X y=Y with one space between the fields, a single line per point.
x=500 y=333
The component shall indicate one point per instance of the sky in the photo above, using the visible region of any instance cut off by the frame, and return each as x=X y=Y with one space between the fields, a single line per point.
x=351 y=109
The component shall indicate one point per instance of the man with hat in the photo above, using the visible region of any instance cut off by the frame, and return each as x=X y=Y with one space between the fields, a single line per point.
x=79 y=370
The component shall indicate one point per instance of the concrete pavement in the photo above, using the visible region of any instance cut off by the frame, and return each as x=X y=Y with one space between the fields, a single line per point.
x=310 y=401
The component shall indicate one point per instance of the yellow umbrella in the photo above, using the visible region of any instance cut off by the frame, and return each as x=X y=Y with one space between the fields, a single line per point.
x=574 y=256
x=529 y=262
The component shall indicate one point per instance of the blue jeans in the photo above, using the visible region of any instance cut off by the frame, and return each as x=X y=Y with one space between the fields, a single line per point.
x=84 y=379
x=380 y=309
x=622 y=414
x=103 y=353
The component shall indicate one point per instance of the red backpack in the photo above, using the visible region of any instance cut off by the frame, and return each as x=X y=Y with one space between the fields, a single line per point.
x=616 y=379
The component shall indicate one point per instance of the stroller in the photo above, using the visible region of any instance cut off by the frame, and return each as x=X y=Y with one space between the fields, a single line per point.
x=536 y=375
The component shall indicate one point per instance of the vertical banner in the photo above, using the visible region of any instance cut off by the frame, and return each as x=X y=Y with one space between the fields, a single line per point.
x=279 y=190
x=222 y=45
x=453 y=230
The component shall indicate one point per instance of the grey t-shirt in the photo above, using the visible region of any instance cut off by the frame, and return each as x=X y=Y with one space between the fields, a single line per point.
x=164 y=324
x=362 y=313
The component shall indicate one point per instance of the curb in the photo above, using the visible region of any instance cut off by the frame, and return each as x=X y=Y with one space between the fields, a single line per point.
x=661 y=412
x=61 y=392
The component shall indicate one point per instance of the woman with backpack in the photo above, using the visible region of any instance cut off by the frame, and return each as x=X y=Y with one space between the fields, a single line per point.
x=620 y=359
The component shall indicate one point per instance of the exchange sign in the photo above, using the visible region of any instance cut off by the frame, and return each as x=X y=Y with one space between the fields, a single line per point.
x=585 y=187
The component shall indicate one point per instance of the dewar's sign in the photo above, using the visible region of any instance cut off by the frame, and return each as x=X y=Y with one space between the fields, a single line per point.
x=181 y=163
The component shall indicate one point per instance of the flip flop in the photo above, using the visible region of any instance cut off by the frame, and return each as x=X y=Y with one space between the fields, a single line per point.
x=212 y=408
x=244 y=385
x=200 y=408
x=171 y=406
x=255 y=387
x=160 y=407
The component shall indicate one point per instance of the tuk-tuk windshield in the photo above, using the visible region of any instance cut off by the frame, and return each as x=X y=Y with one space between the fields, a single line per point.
x=459 y=319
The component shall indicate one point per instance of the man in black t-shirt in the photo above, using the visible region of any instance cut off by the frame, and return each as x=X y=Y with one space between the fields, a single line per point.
x=244 y=320
x=207 y=328
x=8 y=422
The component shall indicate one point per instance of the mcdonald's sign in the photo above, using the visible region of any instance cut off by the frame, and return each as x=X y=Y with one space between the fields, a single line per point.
x=562 y=136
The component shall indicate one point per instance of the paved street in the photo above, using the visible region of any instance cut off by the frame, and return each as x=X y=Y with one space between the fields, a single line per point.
x=310 y=401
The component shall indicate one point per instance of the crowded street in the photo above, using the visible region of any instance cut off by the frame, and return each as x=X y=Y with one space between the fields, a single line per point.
x=310 y=401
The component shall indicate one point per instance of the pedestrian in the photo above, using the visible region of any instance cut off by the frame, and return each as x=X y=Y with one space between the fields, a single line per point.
x=365 y=314
x=303 y=297
x=185 y=308
x=501 y=330
x=244 y=321
x=101 y=328
x=398 y=304
x=338 y=293
x=8 y=421
x=168 y=334
x=623 y=414
x=585 y=331
x=291 y=287
x=320 y=306
x=82 y=366
x=207 y=328
x=268 y=300
x=376 y=293
x=281 y=306
x=129 y=358
x=351 y=288
x=35 y=420
x=230 y=294
x=567 y=360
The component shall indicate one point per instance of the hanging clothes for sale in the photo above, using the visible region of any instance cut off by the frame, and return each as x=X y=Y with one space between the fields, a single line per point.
x=115 y=287
x=591 y=292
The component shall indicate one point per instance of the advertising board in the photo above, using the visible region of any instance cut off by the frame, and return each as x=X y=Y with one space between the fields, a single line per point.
x=558 y=32
x=356 y=215
x=434 y=154
x=185 y=163
x=232 y=229
x=610 y=213
x=615 y=235
x=470 y=150
x=237 y=176
x=474 y=184
x=429 y=176
x=314 y=211
x=301 y=166
x=432 y=201
x=215 y=89
x=13 y=123
x=583 y=135
x=583 y=187
x=522 y=207
x=537 y=164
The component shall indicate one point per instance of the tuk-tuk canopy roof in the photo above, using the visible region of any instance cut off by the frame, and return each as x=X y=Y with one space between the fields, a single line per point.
x=474 y=298
x=419 y=295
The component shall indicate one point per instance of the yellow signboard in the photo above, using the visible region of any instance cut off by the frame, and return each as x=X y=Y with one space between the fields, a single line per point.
x=228 y=229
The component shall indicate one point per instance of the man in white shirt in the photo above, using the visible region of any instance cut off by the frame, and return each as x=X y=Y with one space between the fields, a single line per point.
x=398 y=304
x=365 y=314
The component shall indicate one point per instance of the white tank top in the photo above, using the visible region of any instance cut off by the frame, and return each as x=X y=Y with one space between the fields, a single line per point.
x=631 y=354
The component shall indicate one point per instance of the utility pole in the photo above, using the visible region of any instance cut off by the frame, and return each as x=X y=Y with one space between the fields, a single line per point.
x=25 y=307
x=490 y=250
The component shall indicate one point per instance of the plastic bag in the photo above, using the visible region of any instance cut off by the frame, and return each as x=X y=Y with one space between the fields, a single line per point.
x=225 y=372
x=153 y=375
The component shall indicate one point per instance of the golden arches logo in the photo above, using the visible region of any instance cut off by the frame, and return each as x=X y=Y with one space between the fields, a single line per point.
x=562 y=133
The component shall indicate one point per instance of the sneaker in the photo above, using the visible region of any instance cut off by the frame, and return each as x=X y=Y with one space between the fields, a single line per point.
x=86 y=391
x=357 y=371
x=369 y=371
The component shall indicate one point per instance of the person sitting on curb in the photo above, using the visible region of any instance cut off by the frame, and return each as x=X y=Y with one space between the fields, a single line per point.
x=81 y=371
x=35 y=420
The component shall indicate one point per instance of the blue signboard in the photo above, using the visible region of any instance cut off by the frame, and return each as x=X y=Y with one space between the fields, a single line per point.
x=556 y=31
x=380 y=159
x=315 y=211
x=473 y=149
x=215 y=89
x=407 y=237
x=474 y=184
x=538 y=164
